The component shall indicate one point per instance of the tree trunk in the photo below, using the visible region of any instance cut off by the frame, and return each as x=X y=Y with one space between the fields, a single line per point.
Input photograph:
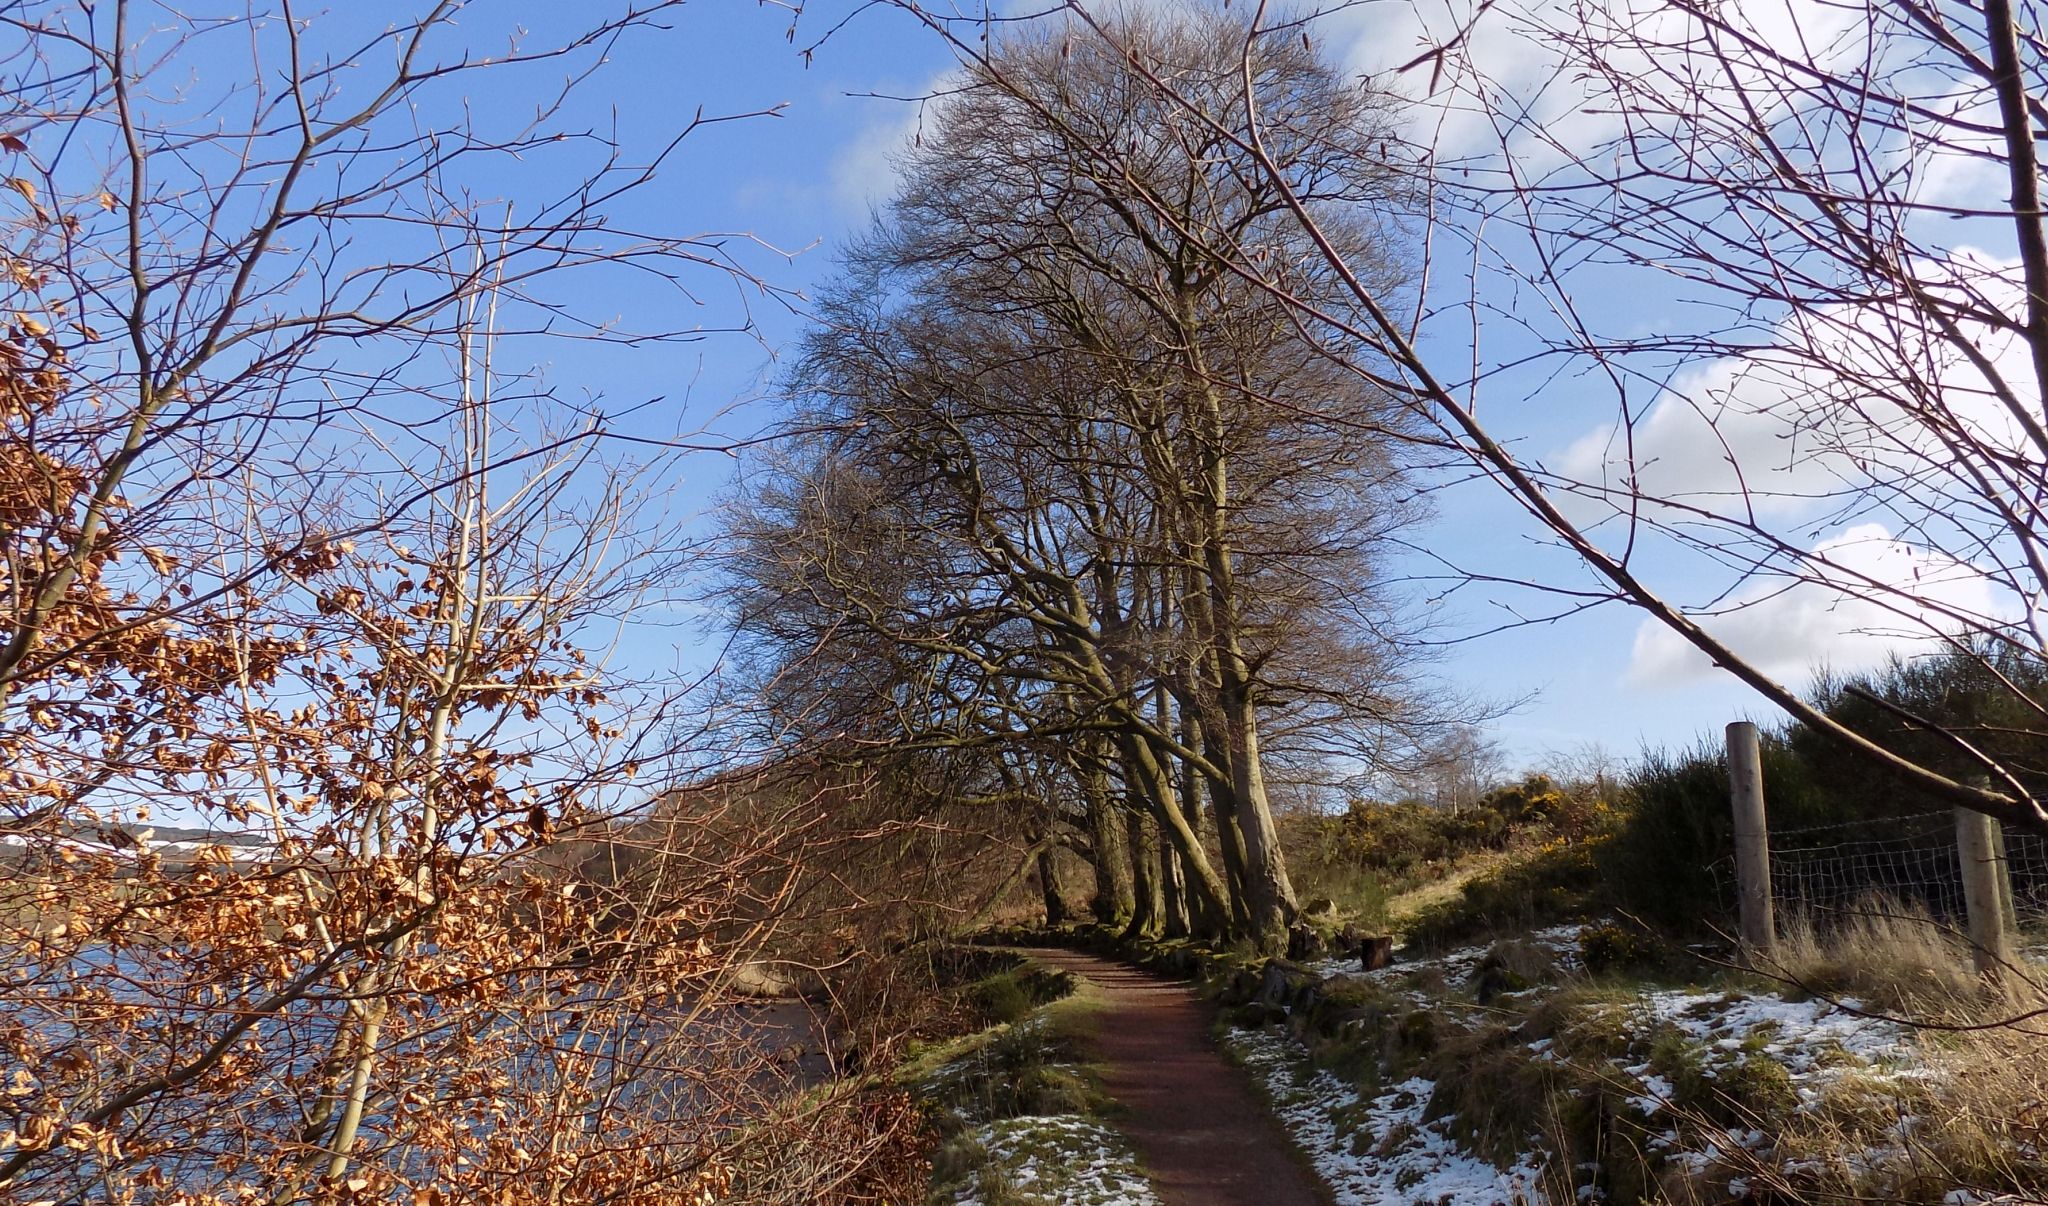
x=1232 y=843
x=988 y=906
x=1113 y=901
x=1049 y=883
x=1149 y=779
x=1173 y=893
x=1148 y=908
x=1219 y=922
x=1171 y=878
x=1269 y=896
x=1201 y=731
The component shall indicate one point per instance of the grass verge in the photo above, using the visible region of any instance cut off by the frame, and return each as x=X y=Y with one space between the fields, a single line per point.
x=1016 y=1110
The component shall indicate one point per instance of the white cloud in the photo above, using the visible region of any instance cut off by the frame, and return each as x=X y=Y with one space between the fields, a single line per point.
x=1834 y=403
x=1525 y=58
x=1967 y=168
x=1788 y=629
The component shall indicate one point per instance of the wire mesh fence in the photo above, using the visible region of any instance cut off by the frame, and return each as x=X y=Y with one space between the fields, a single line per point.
x=1829 y=868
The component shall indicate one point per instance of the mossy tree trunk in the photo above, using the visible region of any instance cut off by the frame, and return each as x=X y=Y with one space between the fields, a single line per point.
x=1114 y=899
x=1049 y=884
x=1148 y=904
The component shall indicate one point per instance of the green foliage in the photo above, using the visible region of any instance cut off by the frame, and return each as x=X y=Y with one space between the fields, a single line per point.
x=1355 y=893
x=1758 y=1089
x=1252 y=1015
x=1397 y=846
x=1363 y=856
x=1674 y=823
x=1417 y=1032
x=1586 y=1023
x=1023 y=1070
x=1655 y=859
x=1651 y=847
x=1613 y=948
x=1970 y=693
x=1489 y=1090
x=999 y=999
x=1340 y=1003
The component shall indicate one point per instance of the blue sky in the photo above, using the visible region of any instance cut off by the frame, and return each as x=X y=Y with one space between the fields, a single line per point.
x=804 y=180
x=798 y=183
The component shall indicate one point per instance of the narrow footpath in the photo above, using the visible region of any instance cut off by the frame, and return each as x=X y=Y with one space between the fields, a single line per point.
x=1193 y=1116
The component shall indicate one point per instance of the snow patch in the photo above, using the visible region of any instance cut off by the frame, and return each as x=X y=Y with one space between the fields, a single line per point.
x=1065 y=1159
x=1377 y=1151
x=1798 y=1032
x=1457 y=967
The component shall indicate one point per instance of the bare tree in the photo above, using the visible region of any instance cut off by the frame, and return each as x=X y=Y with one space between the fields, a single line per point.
x=1453 y=771
x=1867 y=395
x=1093 y=455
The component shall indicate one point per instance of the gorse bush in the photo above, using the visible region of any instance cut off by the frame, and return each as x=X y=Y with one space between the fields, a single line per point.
x=1969 y=694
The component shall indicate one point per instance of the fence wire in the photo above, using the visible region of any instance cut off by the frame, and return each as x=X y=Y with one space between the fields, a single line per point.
x=1917 y=864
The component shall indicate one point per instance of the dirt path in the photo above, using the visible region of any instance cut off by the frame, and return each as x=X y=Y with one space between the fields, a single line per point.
x=1194 y=1119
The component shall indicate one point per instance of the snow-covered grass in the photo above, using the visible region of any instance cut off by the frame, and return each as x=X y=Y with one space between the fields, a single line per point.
x=1020 y=1119
x=1795 y=1032
x=1456 y=967
x=1388 y=1148
x=1377 y=1150
x=1609 y=1089
x=1060 y=1160
x=1815 y=1042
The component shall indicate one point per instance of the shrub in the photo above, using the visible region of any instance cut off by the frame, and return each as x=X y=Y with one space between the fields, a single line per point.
x=1356 y=858
x=1749 y=1090
x=1587 y=1022
x=1613 y=948
x=1969 y=1130
x=1756 y=1090
x=999 y=999
x=1024 y=1070
x=1355 y=893
x=1656 y=860
x=1491 y=1091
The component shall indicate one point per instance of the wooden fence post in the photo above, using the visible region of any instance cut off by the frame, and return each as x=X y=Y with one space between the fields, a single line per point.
x=1984 y=890
x=1752 y=839
x=2011 y=909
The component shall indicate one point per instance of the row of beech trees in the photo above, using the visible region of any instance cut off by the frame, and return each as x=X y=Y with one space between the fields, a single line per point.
x=1840 y=409
x=1073 y=512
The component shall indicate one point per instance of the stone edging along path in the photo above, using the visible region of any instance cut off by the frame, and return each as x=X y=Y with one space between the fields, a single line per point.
x=1195 y=1120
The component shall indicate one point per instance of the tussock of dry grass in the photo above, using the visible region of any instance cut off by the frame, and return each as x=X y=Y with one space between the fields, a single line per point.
x=1969 y=1115
x=1969 y=1126
x=1898 y=959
